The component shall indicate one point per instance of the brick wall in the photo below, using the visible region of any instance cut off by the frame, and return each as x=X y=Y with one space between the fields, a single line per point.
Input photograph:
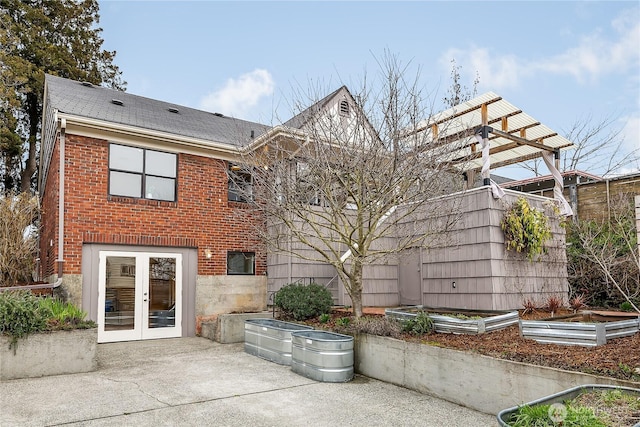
x=202 y=217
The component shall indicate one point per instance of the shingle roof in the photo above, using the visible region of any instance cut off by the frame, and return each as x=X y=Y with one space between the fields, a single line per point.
x=95 y=102
x=300 y=119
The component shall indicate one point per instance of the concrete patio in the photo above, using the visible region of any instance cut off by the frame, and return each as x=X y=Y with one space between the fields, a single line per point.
x=197 y=382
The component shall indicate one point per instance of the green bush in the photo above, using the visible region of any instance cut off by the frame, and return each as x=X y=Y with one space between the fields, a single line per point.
x=21 y=314
x=63 y=315
x=301 y=302
x=419 y=325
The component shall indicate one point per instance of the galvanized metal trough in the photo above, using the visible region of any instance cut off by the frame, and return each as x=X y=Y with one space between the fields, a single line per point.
x=482 y=321
x=587 y=328
x=322 y=356
x=504 y=416
x=270 y=339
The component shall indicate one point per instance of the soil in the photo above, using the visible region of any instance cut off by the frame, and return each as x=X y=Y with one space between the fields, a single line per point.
x=618 y=358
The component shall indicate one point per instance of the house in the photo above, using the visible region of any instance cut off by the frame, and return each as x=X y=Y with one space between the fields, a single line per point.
x=591 y=196
x=138 y=219
x=472 y=269
x=148 y=234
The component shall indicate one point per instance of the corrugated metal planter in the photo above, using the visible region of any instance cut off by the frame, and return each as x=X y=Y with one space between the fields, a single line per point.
x=588 y=329
x=270 y=339
x=483 y=321
x=322 y=356
x=505 y=415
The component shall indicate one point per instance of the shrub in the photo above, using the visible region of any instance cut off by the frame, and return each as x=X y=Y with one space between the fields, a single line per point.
x=302 y=302
x=553 y=303
x=526 y=229
x=21 y=314
x=578 y=302
x=63 y=315
x=530 y=306
x=18 y=237
x=378 y=325
x=419 y=325
x=324 y=318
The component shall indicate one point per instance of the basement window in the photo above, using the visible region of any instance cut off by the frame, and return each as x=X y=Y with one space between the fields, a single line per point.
x=239 y=263
x=142 y=173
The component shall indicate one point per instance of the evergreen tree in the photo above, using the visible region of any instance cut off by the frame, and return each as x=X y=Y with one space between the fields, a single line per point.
x=58 y=37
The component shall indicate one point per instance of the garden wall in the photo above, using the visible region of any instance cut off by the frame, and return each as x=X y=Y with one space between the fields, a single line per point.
x=475 y=381
x=51 y=353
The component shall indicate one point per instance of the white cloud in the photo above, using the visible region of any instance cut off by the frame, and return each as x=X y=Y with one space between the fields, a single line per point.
x=238 y=96
x=594 y=56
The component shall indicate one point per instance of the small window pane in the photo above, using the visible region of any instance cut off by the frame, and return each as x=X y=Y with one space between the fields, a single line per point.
x=162 y=164
x=240 y=262
x=125 y=158
x=125 y=184
x=160 y=188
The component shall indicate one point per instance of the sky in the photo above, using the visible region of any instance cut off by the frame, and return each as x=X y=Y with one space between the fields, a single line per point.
x=561 y=62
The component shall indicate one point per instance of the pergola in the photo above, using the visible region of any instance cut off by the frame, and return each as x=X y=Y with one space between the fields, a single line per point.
x=489 y=132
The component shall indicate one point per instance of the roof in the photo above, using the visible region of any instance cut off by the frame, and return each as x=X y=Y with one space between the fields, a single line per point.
x=514 y=135
x=300 y=119
x=577 y=173
x=113 y=106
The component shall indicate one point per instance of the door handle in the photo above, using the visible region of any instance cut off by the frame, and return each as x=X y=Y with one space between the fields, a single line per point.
x=144 y=299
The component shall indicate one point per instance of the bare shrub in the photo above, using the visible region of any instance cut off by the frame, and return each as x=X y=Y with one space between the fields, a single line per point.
x=18 y=242
x=382 y=326
x=603 y=260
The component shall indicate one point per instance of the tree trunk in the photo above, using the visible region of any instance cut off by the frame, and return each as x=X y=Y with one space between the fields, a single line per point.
x=355 y=287
x=30 y=165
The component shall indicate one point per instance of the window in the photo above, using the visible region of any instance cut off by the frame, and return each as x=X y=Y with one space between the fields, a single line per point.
x=240 y=184
x=241 y=262
x=142 y=173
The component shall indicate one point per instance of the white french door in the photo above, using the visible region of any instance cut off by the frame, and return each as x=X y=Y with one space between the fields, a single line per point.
x=139 y=296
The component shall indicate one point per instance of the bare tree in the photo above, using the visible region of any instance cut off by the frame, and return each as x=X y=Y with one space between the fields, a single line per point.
x=610 y=248
x=350 y=181
x=599 y=149
x=457 y=93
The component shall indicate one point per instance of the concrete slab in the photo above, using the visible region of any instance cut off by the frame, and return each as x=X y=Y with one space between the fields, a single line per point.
x=198 y=382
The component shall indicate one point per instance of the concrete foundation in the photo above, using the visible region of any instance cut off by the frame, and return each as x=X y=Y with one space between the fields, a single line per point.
x=44 y=354
x=229 y=294
x=229 y=328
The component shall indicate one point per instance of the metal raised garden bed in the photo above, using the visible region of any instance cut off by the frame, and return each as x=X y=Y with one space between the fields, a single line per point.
x=479 y=321
x=270 y=339
x=587 y=328
x=505 y=415
x=322 y=356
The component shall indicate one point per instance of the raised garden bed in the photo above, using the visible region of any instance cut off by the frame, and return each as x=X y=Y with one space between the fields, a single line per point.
x=271 y=339
x=608 y=405
x=49 y=353
x=586 y=328
x=458 y=321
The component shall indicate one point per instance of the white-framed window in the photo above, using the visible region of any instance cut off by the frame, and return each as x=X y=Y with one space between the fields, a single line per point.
x=142 y=173
x=241 y=263
x=240 y=188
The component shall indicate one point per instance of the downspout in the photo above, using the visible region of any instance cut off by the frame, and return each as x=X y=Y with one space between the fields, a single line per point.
x=63 y=125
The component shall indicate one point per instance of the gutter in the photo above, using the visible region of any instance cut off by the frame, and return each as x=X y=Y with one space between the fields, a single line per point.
x=51 y=286
x=62 y=123
x=148 y=133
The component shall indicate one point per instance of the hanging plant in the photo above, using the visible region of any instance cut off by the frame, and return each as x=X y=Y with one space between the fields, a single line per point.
x=526 y=229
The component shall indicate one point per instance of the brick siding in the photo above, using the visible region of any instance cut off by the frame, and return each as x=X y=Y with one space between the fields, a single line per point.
x=201 y=217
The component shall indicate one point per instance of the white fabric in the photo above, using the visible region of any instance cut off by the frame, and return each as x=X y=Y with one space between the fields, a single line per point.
x=496 y=190
x=565 y=208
